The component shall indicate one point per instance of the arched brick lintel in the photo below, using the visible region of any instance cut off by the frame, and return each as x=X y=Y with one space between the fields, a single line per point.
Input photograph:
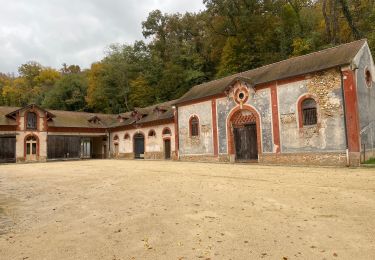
x=230 y=138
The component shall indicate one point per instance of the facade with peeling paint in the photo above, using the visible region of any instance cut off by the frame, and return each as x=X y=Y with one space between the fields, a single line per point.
x=316 y=109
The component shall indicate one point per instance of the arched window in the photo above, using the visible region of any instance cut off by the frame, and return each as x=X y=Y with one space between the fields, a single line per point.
x=151 y=133
x=31 y=121
x=166 y=131
x=309 y=112
x=115 y=138
x=194 y=126
x=127 y=136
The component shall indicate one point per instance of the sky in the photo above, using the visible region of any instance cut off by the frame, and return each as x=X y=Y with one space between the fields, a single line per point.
x=52 y=32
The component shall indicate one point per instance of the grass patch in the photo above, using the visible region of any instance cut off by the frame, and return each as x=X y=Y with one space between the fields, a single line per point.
x=370 y=161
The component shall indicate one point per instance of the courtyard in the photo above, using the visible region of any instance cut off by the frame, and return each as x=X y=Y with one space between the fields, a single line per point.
x=119 y=209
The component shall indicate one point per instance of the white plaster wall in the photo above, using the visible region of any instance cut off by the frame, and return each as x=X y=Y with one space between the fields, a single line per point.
x=152 y=144
x=203 y=144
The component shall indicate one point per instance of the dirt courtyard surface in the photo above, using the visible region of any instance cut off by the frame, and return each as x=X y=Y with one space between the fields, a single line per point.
x=108 y=209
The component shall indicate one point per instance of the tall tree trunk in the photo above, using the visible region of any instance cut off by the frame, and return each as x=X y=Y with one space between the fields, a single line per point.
x=349 y=19
x=327 y=21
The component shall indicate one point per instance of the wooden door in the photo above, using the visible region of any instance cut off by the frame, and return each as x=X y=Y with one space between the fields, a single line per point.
x=31 y=146
x=167 y=149
x=245 y=139
x=116 y=150
x=7 y=149
x=139 y=146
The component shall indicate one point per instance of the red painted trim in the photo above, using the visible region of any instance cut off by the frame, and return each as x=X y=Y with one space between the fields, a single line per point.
x=199 y=100
x=299 y=107
x=176 y=132
x=144 y=141
x=25 y=148
x=275 y=118
x=18 y=120
x=290 y=80
x=137 y=126
x=166 y=128
x=231 y=148
x=214 y=128
x=149 y=131
x=35 y=111
x=256 y=87
x=76 y=130
x=8 y=128
x=190 y=128
x=352 y=116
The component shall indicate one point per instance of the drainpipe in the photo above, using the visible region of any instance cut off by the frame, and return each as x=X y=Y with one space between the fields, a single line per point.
x=345 y=124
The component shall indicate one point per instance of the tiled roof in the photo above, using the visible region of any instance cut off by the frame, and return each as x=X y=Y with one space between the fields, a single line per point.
x=96 y=120
x=317 y=61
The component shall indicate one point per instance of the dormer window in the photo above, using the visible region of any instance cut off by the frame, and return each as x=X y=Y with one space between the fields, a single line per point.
x=31 y=121
x=94 y=120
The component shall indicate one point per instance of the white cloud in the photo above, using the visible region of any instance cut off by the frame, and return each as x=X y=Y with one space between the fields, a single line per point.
x=76 y=32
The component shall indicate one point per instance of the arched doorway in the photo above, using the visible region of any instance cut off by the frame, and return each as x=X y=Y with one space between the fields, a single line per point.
x=139 y=146
x=167 y=148
x=244 y=134
x=31 y=148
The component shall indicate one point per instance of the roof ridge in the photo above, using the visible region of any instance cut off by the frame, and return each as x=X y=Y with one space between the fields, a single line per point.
x=305 y=55
x=288 y=59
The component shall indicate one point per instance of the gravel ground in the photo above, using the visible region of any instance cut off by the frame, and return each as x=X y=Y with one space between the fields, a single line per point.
x=108 y=209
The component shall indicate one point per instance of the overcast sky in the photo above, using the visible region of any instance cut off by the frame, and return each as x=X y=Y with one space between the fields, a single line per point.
x=73 y=31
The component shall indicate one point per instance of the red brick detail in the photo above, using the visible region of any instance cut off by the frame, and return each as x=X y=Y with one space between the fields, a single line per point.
x=275 y=118
x=231 y=116
x=239 y=119
x=351 y=110
x=37 y=145
x=214 y=127
x=299 y=108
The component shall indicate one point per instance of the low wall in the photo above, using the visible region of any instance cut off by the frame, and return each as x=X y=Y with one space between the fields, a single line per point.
x=320 y=159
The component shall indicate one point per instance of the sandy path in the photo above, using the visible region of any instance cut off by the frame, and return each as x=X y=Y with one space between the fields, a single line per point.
x=172 y=210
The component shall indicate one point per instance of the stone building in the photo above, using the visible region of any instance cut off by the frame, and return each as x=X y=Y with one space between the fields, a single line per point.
x=313 y=109
x=32 y=133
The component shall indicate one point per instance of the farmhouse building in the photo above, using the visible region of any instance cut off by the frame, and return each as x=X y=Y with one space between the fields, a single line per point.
x=314 y=109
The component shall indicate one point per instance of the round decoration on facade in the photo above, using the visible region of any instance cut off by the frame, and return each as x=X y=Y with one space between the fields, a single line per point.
x=241 y=95
x=368 y=78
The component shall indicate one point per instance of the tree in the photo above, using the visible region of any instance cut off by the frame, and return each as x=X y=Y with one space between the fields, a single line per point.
x=68 y=93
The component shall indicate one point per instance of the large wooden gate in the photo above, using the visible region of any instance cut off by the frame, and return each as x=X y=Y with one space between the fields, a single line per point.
x=63 y=147
x=7 y=149
x=245 y=140
x=139 y=146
